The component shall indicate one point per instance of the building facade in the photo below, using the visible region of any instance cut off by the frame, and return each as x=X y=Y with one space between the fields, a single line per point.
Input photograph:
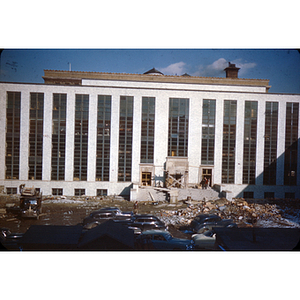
x=87 y=133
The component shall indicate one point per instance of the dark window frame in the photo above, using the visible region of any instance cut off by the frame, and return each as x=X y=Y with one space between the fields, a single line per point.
x=11 y=190
x=57 y=191
x=269 y=195
x=248 y=195
x=103 y=137
x=229 y=141
x=178 y=135
x=102 y=192
x=291 y=143
x=81 y=132
x=12 y=139
x=79 y=192
x=147 y=130
x=58 y=136
x=289 y=195
x=125 y=138
x=270 y=143
x=36 y=136
x=250 y=138
x=208 y=132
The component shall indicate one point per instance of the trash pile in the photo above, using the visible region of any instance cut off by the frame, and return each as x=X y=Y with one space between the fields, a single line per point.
x=243 y=213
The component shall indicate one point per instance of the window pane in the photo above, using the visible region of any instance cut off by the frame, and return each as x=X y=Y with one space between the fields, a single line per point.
x=81 y=137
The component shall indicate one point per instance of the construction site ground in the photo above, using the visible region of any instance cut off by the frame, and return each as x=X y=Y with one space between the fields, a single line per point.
x=61 y=210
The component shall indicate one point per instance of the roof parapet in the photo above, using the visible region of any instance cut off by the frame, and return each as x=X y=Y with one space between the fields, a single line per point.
x=75 y=78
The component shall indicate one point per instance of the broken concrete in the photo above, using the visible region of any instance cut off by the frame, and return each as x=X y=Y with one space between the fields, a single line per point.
x=242 y=212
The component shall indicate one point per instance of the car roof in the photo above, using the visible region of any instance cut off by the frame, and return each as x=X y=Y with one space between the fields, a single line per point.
x=110 y=208
x=155 y=231
x=145 y=216
x=104 y=213
x=206 y=216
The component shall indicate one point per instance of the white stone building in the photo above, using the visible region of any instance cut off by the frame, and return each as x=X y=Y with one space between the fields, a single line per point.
x=87 y=133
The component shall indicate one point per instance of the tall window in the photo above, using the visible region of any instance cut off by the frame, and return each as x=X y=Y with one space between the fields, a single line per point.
x=229 y=139
x=103 y=138
x=250 y=130
x=36 y=136
x=270 y=152
x=13 y=106
x=125 y=138
x=178 y=127
x=291 y=144
x=147 y=138
x=208 y=132
x=58 y=136
x=81 y=137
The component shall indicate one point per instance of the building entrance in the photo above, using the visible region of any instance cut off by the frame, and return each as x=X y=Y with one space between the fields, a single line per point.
x=146 y=178
x=177 y=172
x=207 y=173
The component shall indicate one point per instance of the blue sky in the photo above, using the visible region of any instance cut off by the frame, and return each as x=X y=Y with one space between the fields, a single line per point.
x=280 y=66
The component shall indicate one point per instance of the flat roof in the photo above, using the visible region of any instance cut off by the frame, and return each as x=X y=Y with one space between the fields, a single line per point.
x=79 y=75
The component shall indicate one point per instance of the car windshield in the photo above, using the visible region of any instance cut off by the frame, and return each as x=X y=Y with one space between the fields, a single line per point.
x=28 y=202
x=208 y=233
x=103 y=215
x=115 y=209
x=207 y=219
x=146 y=220
x=168 y=236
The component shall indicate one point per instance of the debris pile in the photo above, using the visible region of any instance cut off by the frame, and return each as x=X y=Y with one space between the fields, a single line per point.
x=243 y=213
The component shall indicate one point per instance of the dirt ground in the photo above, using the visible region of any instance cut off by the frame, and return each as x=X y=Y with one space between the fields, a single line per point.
x=72 y=211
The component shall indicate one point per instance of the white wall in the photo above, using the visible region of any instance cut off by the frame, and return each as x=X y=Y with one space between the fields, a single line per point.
x=161 y=134
x=175 y=86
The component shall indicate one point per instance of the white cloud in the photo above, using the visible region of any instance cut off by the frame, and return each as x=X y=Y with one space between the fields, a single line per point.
x=217 y=66
x=216 y=69
x=244 y=66
x=174 y=69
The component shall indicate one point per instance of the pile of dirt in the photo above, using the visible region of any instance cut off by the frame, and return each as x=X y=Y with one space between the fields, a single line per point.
x=244 y=213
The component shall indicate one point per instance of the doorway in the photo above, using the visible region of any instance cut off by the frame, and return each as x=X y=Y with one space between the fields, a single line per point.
x=146 y=178
x=208 y=174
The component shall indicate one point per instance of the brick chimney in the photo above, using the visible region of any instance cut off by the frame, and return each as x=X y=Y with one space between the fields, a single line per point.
x=231 y=71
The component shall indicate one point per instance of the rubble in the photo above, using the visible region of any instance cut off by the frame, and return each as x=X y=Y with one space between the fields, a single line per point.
x=242 y=212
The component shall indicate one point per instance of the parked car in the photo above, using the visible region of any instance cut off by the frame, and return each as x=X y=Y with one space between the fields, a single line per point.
x=204 y=222
x=204 y=240
x=102 y=216
x=107 y=213
x=162 y=240
x=92 y=224
x=136 y=230
x=147 y=222
x=117 y=211
x=8 y=239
